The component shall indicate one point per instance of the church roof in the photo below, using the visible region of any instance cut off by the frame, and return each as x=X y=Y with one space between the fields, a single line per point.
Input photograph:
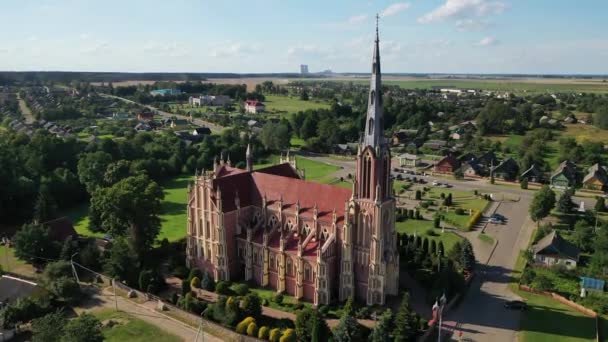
x=276 y=182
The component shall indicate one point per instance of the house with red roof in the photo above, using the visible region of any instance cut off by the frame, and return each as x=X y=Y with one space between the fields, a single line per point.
x=145 y=116
x=317 y=242
x=449 y=164
x=254 y=107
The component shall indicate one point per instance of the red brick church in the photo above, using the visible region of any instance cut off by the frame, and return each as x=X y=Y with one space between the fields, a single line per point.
x=317 y=242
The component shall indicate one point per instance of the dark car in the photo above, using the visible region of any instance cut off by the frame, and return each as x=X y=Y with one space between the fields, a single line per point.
x=499 y=217
x=516 y=305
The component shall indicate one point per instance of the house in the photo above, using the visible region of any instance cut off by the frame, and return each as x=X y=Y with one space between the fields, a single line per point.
x=448 y=164
x=554 y=250
x=346 y=149
x=120 y=116
x=534 y=174
x=564 y=176
x=143 y=127
x=596 y=178
x=145 y=116
x=488 y=160
x=403 y=136
x=408 y=159
x=507 y=170
x=472 y=169
x=254 y=107
x=435 y=145
x=201 y=131
x=209 y=100
x=591 y=285
x=179 y=124
x=165 y=92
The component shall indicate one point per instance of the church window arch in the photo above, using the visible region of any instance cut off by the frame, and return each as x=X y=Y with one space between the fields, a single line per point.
x=307 y=272
x=257 y=217
x=370 y=129
x=324 y=234
x=289 y=226
x=373 y=95
x=306 y=229
x=272 y=222
x=288 y=270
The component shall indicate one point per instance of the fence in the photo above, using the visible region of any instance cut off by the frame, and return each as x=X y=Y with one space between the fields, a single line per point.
x=173 y=312
x=560 y=299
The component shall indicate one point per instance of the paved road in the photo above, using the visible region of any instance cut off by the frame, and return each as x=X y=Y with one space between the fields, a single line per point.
x=25 y=111
x=481 y=316
x=213 y=127
x=145 y=312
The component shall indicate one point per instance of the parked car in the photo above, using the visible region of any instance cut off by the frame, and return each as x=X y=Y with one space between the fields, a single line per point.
x=494 y=220
x=516 y=305
x=435 y=183
x=499 y=217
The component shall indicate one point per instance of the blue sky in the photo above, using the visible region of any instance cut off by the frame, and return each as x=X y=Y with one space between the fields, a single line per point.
x=442 y=36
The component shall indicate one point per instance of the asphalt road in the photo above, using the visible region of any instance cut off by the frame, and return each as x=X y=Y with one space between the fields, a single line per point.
x=213 y=127
x=481 y=316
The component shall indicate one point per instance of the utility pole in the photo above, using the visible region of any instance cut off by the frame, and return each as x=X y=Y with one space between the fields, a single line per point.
x=74 y=268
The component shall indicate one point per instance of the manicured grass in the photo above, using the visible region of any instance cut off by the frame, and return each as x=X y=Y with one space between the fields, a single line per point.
x=132 y=329
x=297 y=142
x=10 y=263
x=268 y=294
x=286 y=104
x=461 y=199
x=173 y=212
x=314 y=170
x=486 y=238
x=420 y=227
x=173 y=208
x=547 y=320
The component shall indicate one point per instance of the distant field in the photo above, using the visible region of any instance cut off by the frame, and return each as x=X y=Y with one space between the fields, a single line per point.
x=512 y=85
x=584 y=133
x=286 y=104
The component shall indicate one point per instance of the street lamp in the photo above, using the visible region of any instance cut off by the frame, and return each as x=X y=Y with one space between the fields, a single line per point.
x=439 y=305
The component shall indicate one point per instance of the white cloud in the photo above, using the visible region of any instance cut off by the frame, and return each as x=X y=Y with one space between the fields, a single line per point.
x=233 y=49
x=394 y=9
x=487 y=41
x=98 y=47
x=357 y=19
x=463 y=9
x=472 y=24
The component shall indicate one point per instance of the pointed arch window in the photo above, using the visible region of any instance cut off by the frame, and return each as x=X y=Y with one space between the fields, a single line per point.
x=324 y=234
x=289 y=226
x=373 y=97
x=306 y=229
x=370 y=129
x=273 y=221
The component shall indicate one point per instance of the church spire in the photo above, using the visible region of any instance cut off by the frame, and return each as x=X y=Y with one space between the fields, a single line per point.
x=249 y=158
x=373 y=135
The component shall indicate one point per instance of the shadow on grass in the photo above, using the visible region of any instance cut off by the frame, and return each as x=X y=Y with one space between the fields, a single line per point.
x=173 y=208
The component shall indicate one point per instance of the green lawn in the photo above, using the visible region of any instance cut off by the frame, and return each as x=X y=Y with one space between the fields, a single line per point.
x=486 y=238
x=461 y=199
x=173 y=212
x=10 y=263
x=297 y=142
x=420 y=227
x=268 y=294
x=173 y=208
x=314 y=170
x=132 y=329
x=550 y=321
x=286 y=104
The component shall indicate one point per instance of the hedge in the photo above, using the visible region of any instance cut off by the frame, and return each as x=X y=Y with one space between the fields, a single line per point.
x=473 y=220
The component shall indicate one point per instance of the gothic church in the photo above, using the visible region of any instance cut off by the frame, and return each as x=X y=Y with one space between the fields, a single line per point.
x=316 y=242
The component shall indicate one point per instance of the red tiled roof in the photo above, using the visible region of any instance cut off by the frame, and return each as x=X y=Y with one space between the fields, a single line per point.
x=254 y=103
x=285 y=170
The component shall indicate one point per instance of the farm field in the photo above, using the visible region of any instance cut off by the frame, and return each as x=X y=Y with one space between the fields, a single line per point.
x=285 y=104
x=131 y=328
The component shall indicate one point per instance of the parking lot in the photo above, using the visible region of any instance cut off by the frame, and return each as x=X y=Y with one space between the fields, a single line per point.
x=13 y=288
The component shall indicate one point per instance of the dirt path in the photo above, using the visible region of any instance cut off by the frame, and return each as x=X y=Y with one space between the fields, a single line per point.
x=25 y=111
x=146 y=312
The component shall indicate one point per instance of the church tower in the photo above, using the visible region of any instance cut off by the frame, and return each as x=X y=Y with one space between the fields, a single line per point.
x=372 y=241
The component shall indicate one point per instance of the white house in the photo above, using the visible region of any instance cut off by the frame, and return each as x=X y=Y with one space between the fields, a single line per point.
x=208 y=100
x=408 y=159
x=554 y=250
x=254 y=107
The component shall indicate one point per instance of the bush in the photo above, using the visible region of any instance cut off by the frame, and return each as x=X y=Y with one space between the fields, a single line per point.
x=473 y=220
x=241 y=289
x=185 y=287
x=437 y=222
x=524 y=183
x=418 y=195
x=459 y=211
x=263 y=333
x=241 y=328
x=278 y=298
x=431 y=232
x=222 y=288
x=207 y=282
x=180 y=272
x=289 y=335
x=425 y=205
x=195 y=273
x=252 y=305
x=324 y=310
x=275 y=335
x=252 y=329
x=195 y=283
x=298 y=306
x=265 y=302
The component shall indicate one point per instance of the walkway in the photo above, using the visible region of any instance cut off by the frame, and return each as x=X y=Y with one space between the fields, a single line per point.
x=25 y=111
x=145 y=311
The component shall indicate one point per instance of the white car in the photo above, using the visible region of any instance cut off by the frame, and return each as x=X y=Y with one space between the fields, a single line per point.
x=435 y=183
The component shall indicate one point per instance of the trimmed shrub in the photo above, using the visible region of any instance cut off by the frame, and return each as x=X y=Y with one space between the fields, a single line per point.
x=263 y=333
x=195 y=273
x=252 y=329
x=298 y=306
x=241 y=289
x=241 y=328
x=222 y=288
x=265 y=302
x=278 y=298
x=275 y=335
x=207 y=282
x=195 y=283
x=473 y=220
x=431 y=232
x=437 y=222
x=289 y=335
x=459 y=211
